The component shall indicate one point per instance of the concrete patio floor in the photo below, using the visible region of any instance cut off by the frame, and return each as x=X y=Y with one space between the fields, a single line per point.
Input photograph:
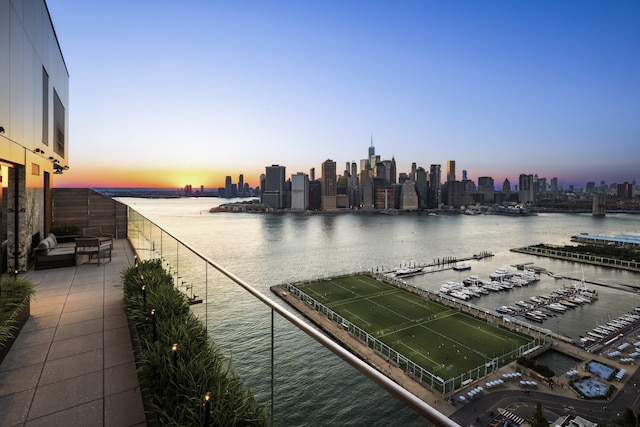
x=73 y=362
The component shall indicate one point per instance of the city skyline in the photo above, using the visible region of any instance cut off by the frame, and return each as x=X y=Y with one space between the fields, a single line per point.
x=186 y=95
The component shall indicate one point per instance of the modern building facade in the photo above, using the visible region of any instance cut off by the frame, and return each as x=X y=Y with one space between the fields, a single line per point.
x=486 y=188
x=329 y=185
x=34 y=124
x=299 y=192
x=275 y=193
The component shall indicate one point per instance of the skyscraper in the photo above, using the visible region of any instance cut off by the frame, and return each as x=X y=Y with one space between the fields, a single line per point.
x=486 y=188
x=435 y=177
x=422 y=187
x=329 y=185
x=275 y=194
x=526 y=188
x=451 y=170
x=299 y=191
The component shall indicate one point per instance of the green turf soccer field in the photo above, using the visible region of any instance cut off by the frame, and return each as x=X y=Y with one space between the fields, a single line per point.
x=438 y=338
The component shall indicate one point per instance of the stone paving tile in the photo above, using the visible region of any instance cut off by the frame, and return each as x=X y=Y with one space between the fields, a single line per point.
x=40 y=300
x=120 y=378
x=20 y=379
x=66 y=394
x=85 y=304
x=34 y=337
x=124 y=409
x=88 y=414
x=36 y=323
x=15 y=407
x=78 y=329
x=47 y=310
x=78 y=296
x=18 y=358
x=118 y=355
x=72 y=366
x=116 y=337
x=77 y=345
x=81 y=315
x=113 y=322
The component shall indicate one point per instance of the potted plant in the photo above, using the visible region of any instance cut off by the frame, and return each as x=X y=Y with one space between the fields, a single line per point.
x=15 y=298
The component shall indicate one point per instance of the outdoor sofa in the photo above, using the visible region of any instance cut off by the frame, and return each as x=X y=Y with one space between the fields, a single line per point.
x=52 y=252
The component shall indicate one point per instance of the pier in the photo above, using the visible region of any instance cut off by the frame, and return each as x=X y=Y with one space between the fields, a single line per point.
x=438 y=264
x=581 y=258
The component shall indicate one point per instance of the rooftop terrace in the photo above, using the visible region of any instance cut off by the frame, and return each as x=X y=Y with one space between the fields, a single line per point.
x=73 y=363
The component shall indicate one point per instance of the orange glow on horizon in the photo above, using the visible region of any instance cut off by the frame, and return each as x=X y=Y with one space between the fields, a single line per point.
x=104 y=177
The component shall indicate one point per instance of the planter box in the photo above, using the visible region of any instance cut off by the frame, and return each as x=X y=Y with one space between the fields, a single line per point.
x=23 y=315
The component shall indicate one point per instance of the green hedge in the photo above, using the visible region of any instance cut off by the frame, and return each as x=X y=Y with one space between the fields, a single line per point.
x=175 y=384
x=14 y=293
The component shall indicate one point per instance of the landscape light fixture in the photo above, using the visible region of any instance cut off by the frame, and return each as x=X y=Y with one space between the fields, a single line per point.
x=153 y=324
x=207 y=408
x=174 y=349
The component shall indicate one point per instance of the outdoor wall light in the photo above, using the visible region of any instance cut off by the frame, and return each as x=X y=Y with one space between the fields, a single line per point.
x=38 y=150
x=1 y=129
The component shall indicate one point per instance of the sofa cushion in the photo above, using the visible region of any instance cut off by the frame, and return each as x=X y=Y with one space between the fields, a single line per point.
x=53 y=237
x=51 y=242
x=43 y=247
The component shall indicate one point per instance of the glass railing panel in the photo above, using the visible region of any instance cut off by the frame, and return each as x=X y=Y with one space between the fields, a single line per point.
x=301 y=380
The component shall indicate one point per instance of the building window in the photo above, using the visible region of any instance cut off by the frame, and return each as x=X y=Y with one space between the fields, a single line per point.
x=35 y=169
x=45 y=107
x=58 y=119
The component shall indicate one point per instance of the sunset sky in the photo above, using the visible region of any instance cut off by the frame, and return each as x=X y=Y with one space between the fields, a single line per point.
x=166 y=93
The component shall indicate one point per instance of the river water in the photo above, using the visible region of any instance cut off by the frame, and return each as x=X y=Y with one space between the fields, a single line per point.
x=268 y=249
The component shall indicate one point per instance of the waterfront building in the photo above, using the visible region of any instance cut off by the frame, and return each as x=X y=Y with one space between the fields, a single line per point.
x=542 y=185
x=366 y=188
x=384 y=197
x=408 y=196
x=329 y=185
x=624 y=191
x=275 y=191
x=352 y=186
x=554 y=187
x=526 y=189
x=241 y=189
x=435 y=186
x=228 y=188
x=299 y=191
x=422 y=188
x=487 y=189
x=34 y=117
x=454 y=194
x=315 y=195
